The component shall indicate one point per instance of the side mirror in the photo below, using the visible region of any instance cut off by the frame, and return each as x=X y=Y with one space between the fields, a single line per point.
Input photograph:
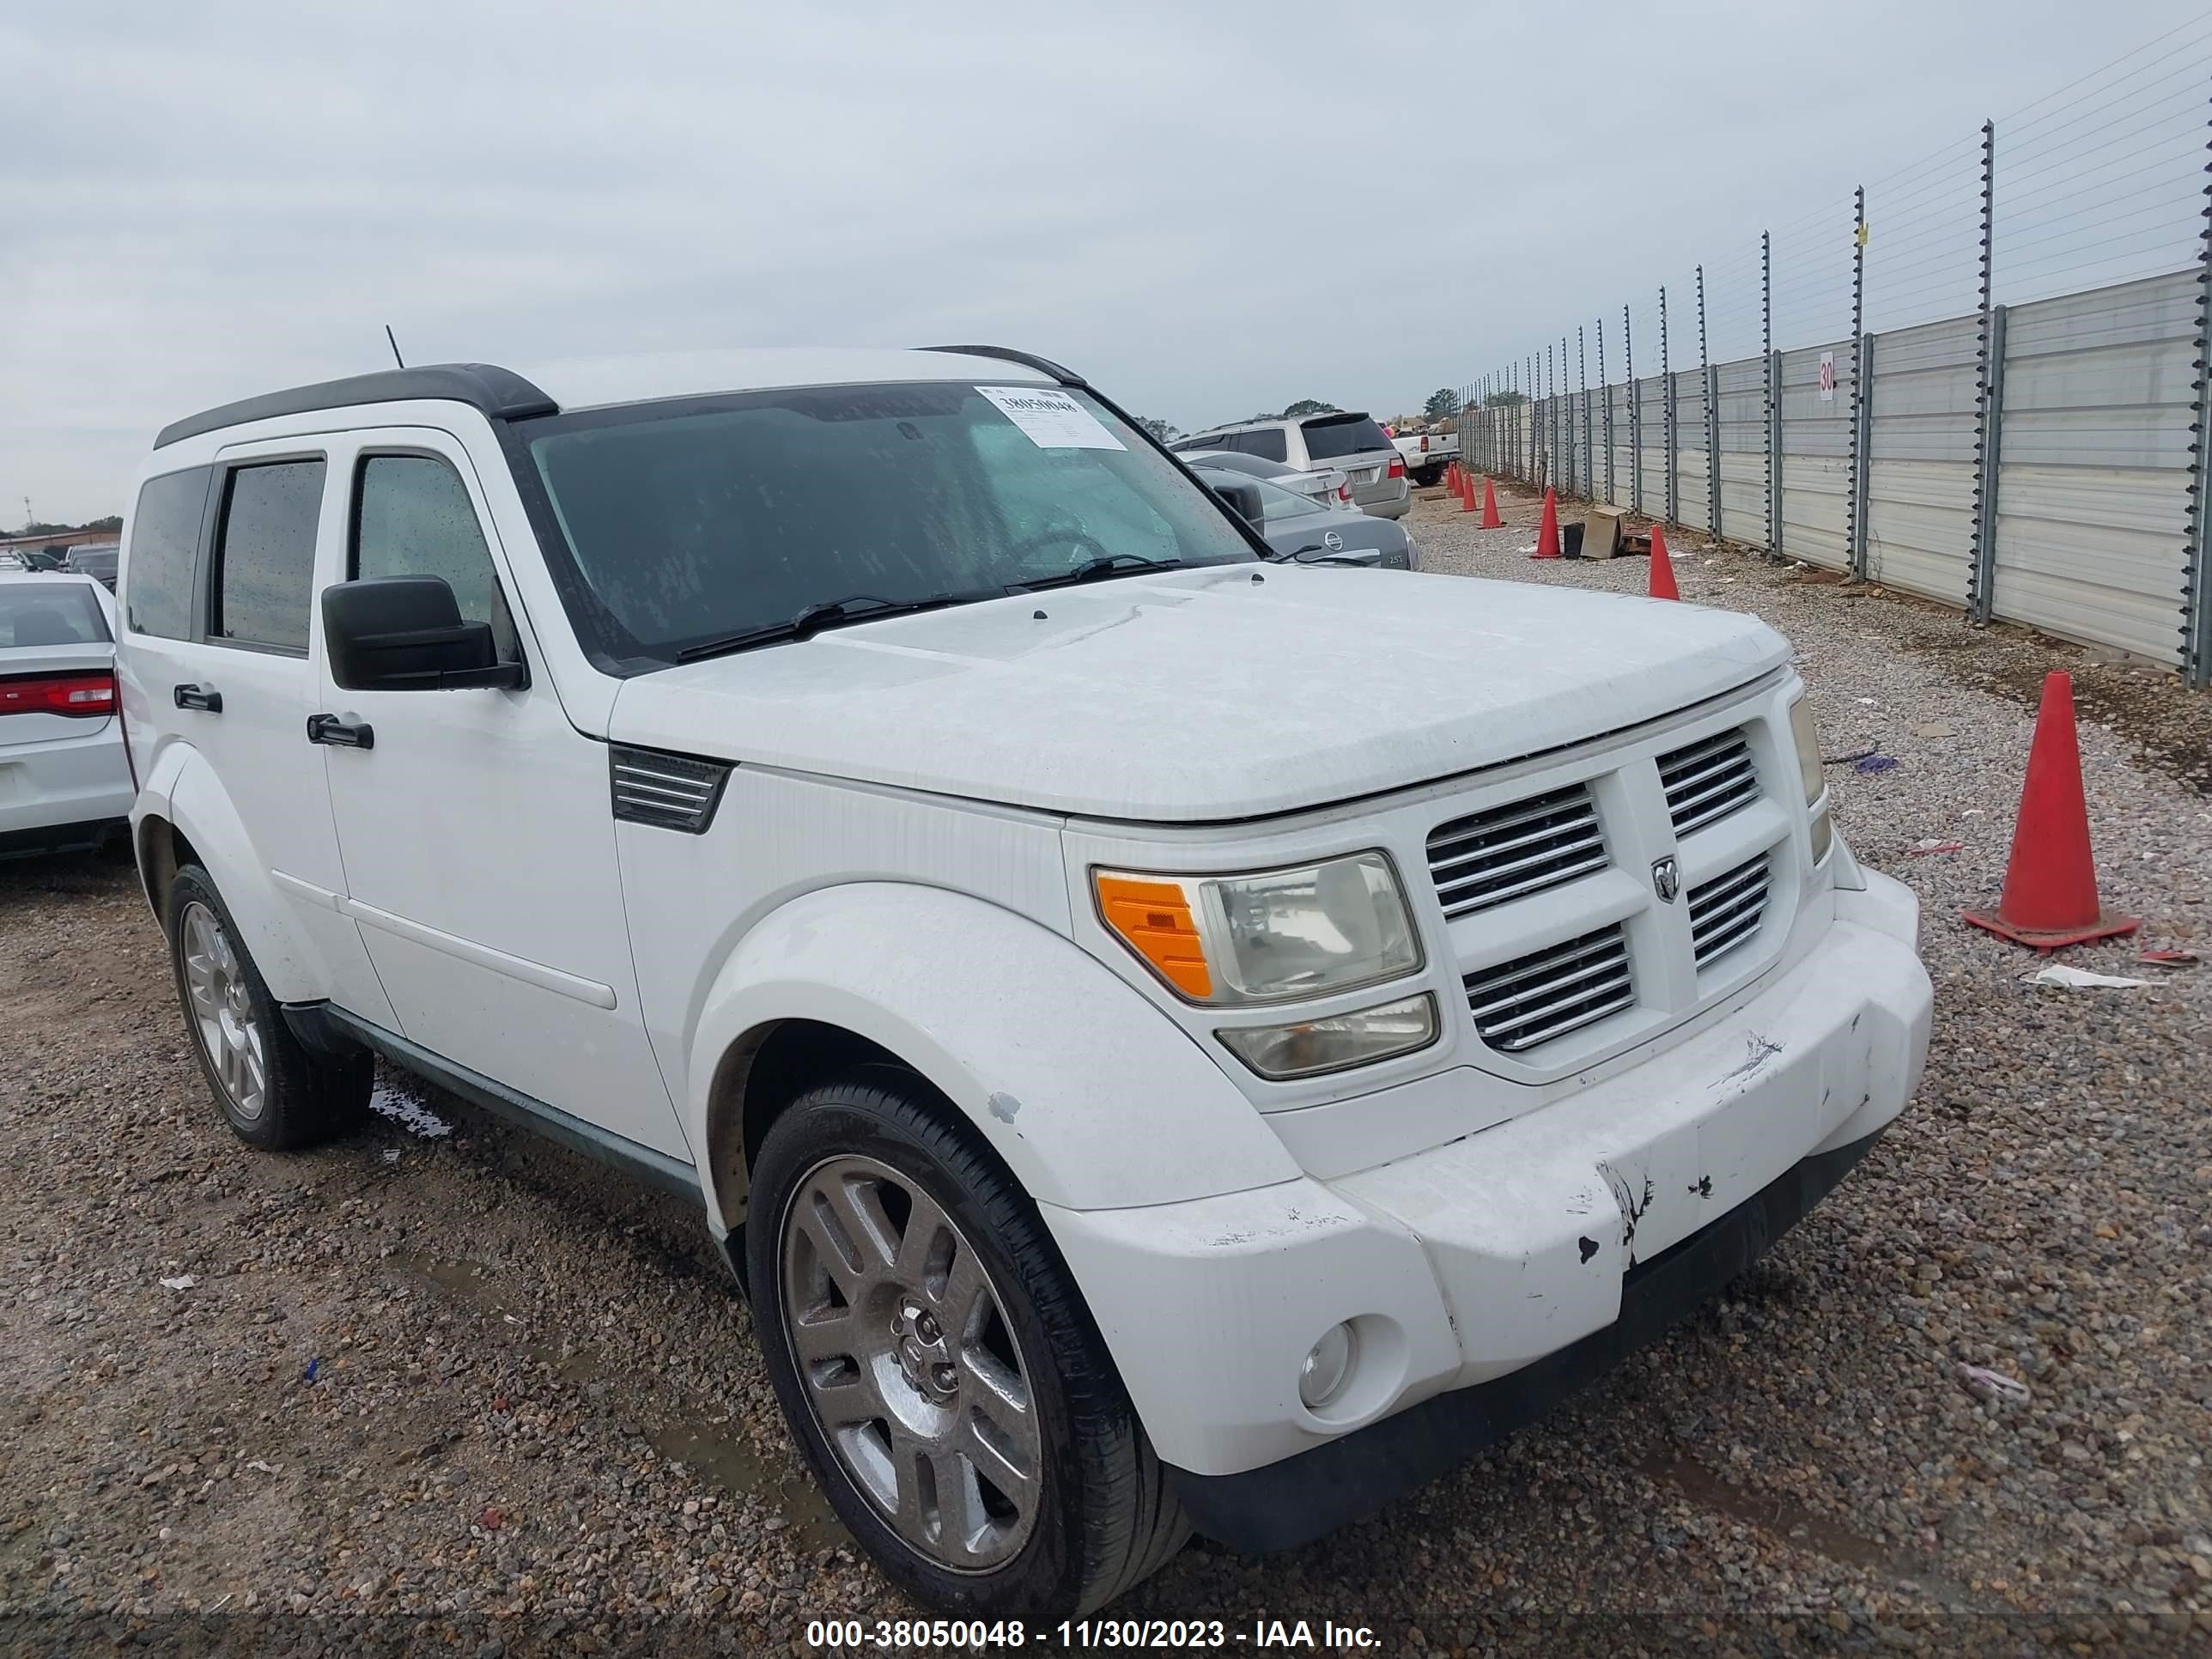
x=406 y=633
x=1245 y=497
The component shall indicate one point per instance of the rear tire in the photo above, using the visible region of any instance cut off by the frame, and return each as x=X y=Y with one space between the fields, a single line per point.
x=989 y=1460
x=272 y=1092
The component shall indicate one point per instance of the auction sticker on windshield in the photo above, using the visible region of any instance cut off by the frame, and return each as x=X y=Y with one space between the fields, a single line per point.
x=1050 y=419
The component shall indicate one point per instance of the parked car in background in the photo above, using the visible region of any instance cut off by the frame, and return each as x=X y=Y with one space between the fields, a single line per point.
x=801 y=778
x=1328 y=487
x=1351 y=443
x=1426 y=453
x=65 y=774
x=1298 y=528
x=94 y=559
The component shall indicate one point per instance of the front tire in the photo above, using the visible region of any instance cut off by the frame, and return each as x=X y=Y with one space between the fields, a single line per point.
x=940 y=1372
x=272 y=1092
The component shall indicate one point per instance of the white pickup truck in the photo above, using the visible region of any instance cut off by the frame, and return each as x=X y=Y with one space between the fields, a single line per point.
x=1427 y=453
x=1167 y=1039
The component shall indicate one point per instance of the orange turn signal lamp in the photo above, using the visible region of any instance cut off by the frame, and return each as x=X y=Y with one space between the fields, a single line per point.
x=1154 y=919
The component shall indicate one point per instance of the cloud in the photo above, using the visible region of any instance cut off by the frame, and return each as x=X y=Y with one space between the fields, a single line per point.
x=1209 y=209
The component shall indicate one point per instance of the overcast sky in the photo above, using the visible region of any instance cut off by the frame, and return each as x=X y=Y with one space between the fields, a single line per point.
x=1210 y=209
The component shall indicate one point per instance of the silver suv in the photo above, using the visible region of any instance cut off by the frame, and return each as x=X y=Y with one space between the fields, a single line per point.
x=1351 y=443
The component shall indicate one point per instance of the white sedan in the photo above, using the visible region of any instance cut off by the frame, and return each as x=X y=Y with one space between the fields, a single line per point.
x=65 y=772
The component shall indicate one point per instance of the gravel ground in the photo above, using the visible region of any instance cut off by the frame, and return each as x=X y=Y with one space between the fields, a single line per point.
x=442 y=1388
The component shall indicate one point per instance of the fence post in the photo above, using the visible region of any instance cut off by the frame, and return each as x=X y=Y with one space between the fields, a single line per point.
x=1708 y=387
x=1667 y=413
x=1636 y=410
x=1863 y=454
x=1981 y=554
x=1773 y=363
x=2196 y=566
x=1612 y=489
x=1589 y=444
x=1985 y=529
x=1855 y=503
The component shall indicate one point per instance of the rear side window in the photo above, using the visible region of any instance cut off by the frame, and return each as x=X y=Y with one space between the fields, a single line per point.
x=412 y=517
x=1330 y=440
x=1266 y=443
x=265 y=555
x=49 y=613
x=165 y=552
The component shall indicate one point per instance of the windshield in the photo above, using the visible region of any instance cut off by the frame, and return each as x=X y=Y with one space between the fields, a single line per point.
x=50 y=613
x=1338 y=435
x=692 y=522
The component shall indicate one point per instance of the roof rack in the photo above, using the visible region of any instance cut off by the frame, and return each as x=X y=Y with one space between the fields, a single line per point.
x=499 y=393
x=1027 y=360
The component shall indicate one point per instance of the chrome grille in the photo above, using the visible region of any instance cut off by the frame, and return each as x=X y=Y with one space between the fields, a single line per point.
x=1511 y=851
x=1552 y=992
x=669 y=792
x=1726 y=911
x=1708 y=780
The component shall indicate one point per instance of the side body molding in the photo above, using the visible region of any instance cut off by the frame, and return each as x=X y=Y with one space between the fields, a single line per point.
x=1094 y=1098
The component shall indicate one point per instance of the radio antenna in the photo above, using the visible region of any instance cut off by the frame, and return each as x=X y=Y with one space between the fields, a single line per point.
x=396 y=357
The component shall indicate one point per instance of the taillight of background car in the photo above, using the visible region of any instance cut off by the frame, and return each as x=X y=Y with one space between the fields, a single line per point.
x=1343 y=490
x=1397 y=466
x=57 y=694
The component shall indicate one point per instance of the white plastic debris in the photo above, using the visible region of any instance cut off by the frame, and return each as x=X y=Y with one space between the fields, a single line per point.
x=1995 y=1384
x=181 y=1282
x=392 y=1155
x=2081 y=979
x=409 y=1113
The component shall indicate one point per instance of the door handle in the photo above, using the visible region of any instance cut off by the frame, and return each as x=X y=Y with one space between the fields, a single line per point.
x=204 y=697
x=344 y=734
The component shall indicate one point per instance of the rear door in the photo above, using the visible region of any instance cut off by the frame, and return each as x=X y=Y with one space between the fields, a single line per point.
x=216 y=658
x=1356 y=444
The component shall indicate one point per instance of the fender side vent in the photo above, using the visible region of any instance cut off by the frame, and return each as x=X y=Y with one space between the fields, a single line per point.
x=669 y=792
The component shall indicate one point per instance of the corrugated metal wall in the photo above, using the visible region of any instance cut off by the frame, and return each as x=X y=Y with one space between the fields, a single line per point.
x=1742 y=386
x=1690 y=446
x=1816 y=446
x=2093 y=503
x=1920 y=482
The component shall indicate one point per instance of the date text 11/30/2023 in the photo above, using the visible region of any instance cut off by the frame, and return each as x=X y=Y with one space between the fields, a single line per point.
x=895 y=1635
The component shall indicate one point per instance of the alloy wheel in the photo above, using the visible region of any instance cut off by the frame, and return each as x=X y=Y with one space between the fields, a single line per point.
x=222 y=1009
x=910 y=1364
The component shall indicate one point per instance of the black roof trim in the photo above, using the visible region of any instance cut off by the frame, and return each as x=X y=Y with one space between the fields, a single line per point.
x=1027 y=360
x=499 y=392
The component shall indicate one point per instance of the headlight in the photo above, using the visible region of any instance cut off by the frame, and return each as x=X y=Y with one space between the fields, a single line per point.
x=1306 y=1047
x=1269 y=937
x=1808 y=772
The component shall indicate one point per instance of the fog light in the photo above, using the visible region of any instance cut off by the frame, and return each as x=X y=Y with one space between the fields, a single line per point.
x=1824 y=835
x=1328 y=1367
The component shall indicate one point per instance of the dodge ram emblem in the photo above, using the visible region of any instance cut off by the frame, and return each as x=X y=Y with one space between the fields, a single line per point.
x=1666 y=879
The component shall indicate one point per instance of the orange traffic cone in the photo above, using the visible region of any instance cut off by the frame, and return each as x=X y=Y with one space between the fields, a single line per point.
x=1451 y=478
x=1467 y=492
x=2049 y=896
x=1662 y=569
x=1490 y=518
x=1547 y=528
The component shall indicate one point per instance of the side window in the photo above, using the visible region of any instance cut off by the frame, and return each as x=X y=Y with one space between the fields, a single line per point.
x=1266 y=443
x=412 y=517
x=165 y=554
x=265 y=555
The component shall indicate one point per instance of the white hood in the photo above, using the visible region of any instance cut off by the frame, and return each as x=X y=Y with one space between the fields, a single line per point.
x=1203 y=695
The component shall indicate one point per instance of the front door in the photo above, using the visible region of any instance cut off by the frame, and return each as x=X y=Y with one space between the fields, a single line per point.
x=477 y=830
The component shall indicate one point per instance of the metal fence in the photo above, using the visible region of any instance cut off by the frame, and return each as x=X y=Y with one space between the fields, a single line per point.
x=1983 y=379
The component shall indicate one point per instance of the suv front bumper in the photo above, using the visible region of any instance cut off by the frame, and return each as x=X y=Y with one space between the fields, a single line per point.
x=1485 y=1275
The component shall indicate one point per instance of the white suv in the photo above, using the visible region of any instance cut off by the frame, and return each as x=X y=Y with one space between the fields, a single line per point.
x=1348 y=443
x=1141 y=1088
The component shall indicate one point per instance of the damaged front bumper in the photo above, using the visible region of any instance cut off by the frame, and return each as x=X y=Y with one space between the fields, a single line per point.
x=1484 y=1277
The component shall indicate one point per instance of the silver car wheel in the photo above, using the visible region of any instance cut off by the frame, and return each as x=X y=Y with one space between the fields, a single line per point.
x=222 y=1009
x=910 y=1363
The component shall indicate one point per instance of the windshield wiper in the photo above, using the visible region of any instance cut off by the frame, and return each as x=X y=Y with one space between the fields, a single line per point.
x=1327 y=556
x=1092 y=570
x=826 y=613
